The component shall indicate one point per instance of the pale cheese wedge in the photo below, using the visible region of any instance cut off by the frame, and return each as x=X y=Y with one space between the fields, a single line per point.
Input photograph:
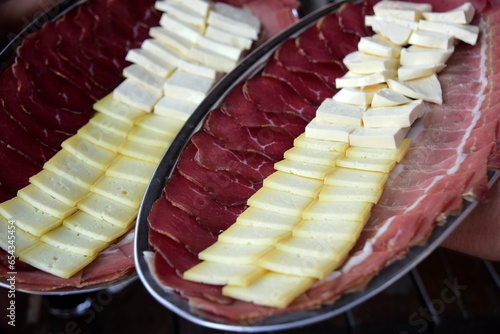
x=111 y=124
x=227 y=37
x=398 y=34
x=234 y=253
x=380 y=153
x=387 y=138
x=14 y=239
x=95 y=134
x=150 y=62
x=353 y=211
x=132 y=169
x=160 y=124
x=363 y=63
x=73 y=241
x=46 y=203
x=55 y=260
x=143 y=152
x=388 y=98
x=260 y=218
x=59 y=187
x=118 y=110
x=320 y=145
x=329 y=229
x=182 y=13
x=171 y=39
x=279 y=201
x=378 y=46
x=300 y=154
x=464 y=33
x=121 y=190
x=328 y=131
x=105 y=209
x=131 y=93
x=319 y=248
x=401 y=116
x=370 y=164
x=432 y=40
x=293 y=184
x=72 y=168
x=246 y=235
x=153 y=138
x=304 y=169
x=272 y=289
x=338 y=194
x=371 y=19
x=95 y=228
x=89 y=152
x=426 y=88
x=406 y=73
x=181 y=29
x=401 y=9
x=332 y=111
x=345 y=177
x=362 y=80
x=221 y=274
x=145 y=78
x=28 y=217
x=415 y=56
x=462 y=14
x=178 y=109
x=354 y=96
x=188 y=87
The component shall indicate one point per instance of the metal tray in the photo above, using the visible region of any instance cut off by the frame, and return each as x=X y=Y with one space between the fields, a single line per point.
x=253 y=64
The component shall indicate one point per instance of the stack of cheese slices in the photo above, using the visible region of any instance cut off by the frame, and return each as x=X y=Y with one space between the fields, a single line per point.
x=89 y=193
x=307 y=217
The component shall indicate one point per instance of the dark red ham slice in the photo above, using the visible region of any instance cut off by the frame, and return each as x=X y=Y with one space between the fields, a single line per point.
x=339 y=42
x=5 y=195
x=269 y=141
x=107 y=267
x=246 y=114
x=307 y=85
x=187 y=196
x=225 y=187
x=312 y=44
x=180 y=226
x=212 y=155
x=175 y=253
x=132 y=18
x=19 y=170
x=352 y=20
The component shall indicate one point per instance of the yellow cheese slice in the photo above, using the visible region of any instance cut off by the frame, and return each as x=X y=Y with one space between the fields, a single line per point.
x=132 y=169
x=304 y=169
x=46 y=203
x=119 y=110
x=74 y=169
x=320 y=248
x=54 y=260
x=255 y=217
x=320 y=145
x=234 y=253
x=222 y=274
x=370 y=164
x=73 y=241
x=298 y=264
x=14 y=239
x=329 y=229
x=348 y=194
x=239 y=234
x=279 y=201
x=310 y=156
x=294 y=184
x=143 y=152
x=111 y=124
x=106 y=209
x=148 y=137
x=168 y=126
x=380 y=153
x=96 y=228
x=356 y=211
x=327 y=131
x=101 y=137
x=124 y=191
x=345 y=177
x=59 y=187
x=272 y=289
x=89 y=152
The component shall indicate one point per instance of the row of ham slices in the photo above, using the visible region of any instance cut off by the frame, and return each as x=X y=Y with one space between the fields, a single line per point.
x=47 y=94
x=227 y=160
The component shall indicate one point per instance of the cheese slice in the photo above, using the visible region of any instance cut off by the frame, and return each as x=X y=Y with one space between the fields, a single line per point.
x=187 y=87
x=415 y=56
x=332 y=111
x=464 y=33
x=201 y=7
x=239 y=21
x=59 y=187
x=132 y=169
x=143 y=152
x=171 y=39
x=389 y=138
x=182 y=13
x=105 y=209
x=111 y=124
x=160 y=124
x=163 y=51
x=255 y=217
x=328 y=131
x=54 y=260
x=28 y=217
x=378 y=46
x=353 y=211
x=380 y=153
x=398 y=34
x=395 y=116
x=318 y=248
x=338 y=194
x=197 y=69
x=147 y=137
x=121 y=190
x=387 y=98
x=178 y=109
x=70 y=167
x=427 y=88
x=371 y=19
x=304 y=169
x=15 y=245
x=462 y=14
x=329 y=230
x=131 y=93
x=355 y=96
x=92 y=227
x=181 y=29
x=345 y=177
x=362 y=80
x=371 y=164
x=246 y=235
x=406 y=73
x=401 y=9
x=101 y=137
x=432 y=40
x=73 y=241
x=89 y=152
x=320 y=145
x=145 y=78
x=226 y=50
x=300 y=154
x=150 y=62
x=118 y=110
x=271 y=289
x=46 y=203
x=293 y=184
x=234 y=253
x=227 y=37
x=211 y=59
x=363 y=63
x=222 y=274
x=279 y=201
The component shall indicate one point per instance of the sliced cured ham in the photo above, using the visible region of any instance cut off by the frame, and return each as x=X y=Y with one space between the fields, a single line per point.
x=339 y=42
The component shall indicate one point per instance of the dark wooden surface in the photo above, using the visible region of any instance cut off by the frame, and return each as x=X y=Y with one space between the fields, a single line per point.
x=447 y=293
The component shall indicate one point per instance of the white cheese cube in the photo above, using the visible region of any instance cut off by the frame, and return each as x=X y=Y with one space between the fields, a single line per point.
x=178 y=109
x=150 y=62
x=279 y=201
x=182 y=13
x=462 y=14
x=331 y=111
x=304 y=169
x=293 y=184
x=170 y=39
x=396 y=33
x=181 y=29
x=256 y=217
x=362 y=80
x=388 y=98
x=401 y=116
x=347 y=194
x=432 y=40
x=327 y=131
x=222 y=252
x=401 y=9
x=300 y=154
x=331 y=230
x=464 y=33
x=352 y=178
x=240 y=234
x=362 y=63
x=188 y=87
x=355 y=96
x=426 y=88
x=371 y=19
x=145 y=78
x=406 y=73
x=211 y=59
x=228 y=38
x=320 y=145
x=380 y=153
x=46 y=203
x=370 y=164
x=378 y=46
x=104 y=208
x=389 y=138
x=414 y=56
